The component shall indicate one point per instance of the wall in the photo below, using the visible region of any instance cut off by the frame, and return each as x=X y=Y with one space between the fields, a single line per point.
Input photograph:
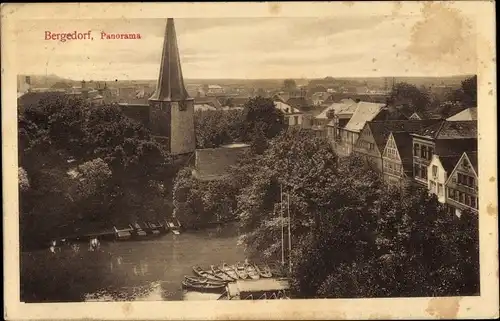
x=217 y=161
x=182 y=136
x=439 y=179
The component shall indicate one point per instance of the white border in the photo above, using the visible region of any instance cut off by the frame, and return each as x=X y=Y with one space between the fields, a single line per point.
x=485 y=306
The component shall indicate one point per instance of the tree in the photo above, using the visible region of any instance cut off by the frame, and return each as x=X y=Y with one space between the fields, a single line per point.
x=289 y=84
x=120 y=167
x=406 y=94
x=260 y=116
x=386 y=246
x=216 y=128
x=303 y=166
x=467 y=93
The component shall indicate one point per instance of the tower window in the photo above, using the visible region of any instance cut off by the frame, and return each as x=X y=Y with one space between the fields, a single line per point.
x=182 y=105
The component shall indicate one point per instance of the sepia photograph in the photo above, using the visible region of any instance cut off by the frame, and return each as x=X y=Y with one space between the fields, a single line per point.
x=231 y=157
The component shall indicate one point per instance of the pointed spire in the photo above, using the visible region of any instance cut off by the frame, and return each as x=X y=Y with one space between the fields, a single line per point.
x=170 y=86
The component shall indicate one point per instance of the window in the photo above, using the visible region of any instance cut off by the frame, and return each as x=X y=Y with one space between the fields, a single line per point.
x=473 y=202
x=430 y=152
x=182 y=106
x=451 y=193
x=424 y=171
x=423 y=152
x=296 y=120
x=434 y=171
x=416 y=150
x=416 y=170
x=461 y=197
x=440 y=189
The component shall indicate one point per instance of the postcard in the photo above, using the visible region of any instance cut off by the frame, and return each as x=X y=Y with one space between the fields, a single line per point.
x=284 y=160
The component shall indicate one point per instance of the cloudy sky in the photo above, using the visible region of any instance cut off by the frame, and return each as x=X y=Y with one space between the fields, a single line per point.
x=397 y=45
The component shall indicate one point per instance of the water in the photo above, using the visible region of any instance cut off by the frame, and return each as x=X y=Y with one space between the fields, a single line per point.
x=133 y=270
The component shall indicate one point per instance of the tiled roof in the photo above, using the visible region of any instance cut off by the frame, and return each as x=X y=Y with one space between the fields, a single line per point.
x=347 y=106
x=473 y=159
x=364 y=112
x=452 y=130
x=449 y=162
x=466 y=114
x=404 y=144
x=382 y=129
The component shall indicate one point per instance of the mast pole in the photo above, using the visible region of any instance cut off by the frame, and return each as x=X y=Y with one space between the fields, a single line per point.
x=289 y=235
x=282 y=228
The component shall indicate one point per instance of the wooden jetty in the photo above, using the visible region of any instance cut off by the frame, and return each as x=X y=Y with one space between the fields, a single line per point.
x=261 y=288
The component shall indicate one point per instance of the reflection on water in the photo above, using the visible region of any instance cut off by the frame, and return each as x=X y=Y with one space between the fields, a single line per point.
x=148 y=270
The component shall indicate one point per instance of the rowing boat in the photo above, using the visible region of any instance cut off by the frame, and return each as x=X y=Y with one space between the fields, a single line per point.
x=241 y=271
x=264 y=271
x=221 y=274
x=252 y=272
x=206 y=274
x=229 y=270
x=203 y=287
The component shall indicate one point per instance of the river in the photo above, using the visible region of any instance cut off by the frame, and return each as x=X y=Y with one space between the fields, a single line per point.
x=128 y=270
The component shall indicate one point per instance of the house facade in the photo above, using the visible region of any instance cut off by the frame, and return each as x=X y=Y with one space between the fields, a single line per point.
x=462 y=185
x=437 y=174
x=445 y=138
x=348 y=135
x=374 y=135
x=293 y=116
x=397 y=160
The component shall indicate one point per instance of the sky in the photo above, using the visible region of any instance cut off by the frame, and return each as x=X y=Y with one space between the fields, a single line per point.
x=258 y=48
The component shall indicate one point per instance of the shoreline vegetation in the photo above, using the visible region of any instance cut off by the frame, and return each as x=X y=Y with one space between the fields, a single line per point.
x=351 y=235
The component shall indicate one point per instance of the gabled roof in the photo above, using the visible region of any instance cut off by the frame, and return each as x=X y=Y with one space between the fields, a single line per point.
x=472 y=158
x=170 y=85
x=386 y=114
x=451 y=130
x=364 y=112
x=404 y=145
x=466 y=114
x=448 y=162
x=382 y=129
x=345 y=107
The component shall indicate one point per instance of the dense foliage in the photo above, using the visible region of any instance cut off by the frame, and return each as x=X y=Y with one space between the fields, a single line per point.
x=351 y=236
x=86 y=165
x=214 y=128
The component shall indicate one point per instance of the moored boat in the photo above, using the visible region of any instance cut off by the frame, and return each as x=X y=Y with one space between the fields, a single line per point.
x=153 y=228
x=241 y=271
x=221 y=274
x=206 y=274
x=203 y=287
x=122 y=234
x=264 y=271
x=252 y=272
x=138 y=230
x=229 y=270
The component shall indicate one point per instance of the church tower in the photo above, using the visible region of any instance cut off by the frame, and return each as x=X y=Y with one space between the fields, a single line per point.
x=171 y=110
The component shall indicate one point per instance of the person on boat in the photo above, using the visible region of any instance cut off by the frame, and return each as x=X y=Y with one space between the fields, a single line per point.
x=75 y=247
x=94 y=244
